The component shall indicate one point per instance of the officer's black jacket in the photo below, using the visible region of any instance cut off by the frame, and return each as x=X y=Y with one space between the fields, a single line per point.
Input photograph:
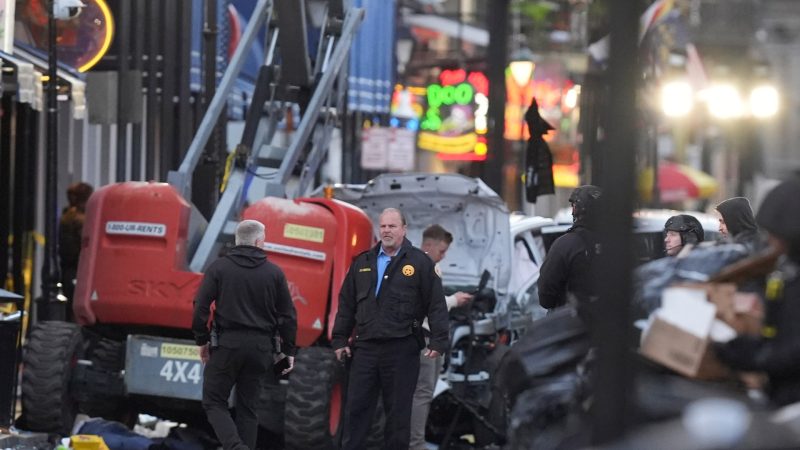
x=777 y=351
x=251 y=294
x=567 y=268
x=409 y=291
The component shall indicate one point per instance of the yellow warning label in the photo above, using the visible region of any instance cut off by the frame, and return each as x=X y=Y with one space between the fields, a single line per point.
x=178 y=351
x=303 y=233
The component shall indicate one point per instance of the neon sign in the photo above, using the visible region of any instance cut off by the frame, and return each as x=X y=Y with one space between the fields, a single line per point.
x=454 y=124
x=407 y=105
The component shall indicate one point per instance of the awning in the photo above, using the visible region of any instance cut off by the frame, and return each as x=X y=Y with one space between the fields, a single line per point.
x=677 y=182
x=40 y=68
x=371 y=77
x=8 y=295
x=26 y=77
x=450 y=27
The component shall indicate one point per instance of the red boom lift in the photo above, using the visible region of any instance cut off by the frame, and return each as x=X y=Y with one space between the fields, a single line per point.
x=145 y=246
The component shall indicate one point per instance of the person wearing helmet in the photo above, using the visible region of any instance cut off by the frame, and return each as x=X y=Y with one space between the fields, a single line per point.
x=681 y=230
x=567 y=268
x=776 y=351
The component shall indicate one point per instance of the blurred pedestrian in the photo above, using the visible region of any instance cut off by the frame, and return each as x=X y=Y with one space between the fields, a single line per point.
x=70 y=229
x=567 y=268
x=681 y=230
x=435 y=242
x=386 y=294
x=777 y=350
x=736 y=222
x=252 y=303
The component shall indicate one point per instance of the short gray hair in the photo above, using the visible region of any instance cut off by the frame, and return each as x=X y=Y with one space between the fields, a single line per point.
x=396 y=211
x=248 y=232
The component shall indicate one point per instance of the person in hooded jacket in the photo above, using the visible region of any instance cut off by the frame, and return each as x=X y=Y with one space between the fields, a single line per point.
x=567 y=268
x=252 y=304
x=385 y=296
x=777 y=351
x=736 y=222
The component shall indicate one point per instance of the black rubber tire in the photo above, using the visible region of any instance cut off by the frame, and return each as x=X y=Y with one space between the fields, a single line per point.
x=109 y=356
x=308 y=399
x=50 y=354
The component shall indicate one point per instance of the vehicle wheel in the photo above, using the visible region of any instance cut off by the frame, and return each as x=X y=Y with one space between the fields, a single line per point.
x=106 y=356
x=314 y=399
x=109 y=355
x=51 y=353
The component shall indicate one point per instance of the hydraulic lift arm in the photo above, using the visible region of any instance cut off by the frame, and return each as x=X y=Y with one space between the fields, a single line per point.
x=280 y=86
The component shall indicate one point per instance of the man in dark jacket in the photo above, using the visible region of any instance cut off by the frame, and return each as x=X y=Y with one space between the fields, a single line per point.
x=736 y=222
x=252 y=303
x=777 y=350
x=385 y=296
x=567 y=268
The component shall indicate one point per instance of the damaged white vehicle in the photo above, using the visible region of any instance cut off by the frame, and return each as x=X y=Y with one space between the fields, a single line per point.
x=495 y=254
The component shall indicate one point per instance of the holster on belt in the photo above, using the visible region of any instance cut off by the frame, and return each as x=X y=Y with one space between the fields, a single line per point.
x=419 y=334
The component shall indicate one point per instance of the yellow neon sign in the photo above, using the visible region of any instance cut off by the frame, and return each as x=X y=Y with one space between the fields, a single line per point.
x=108 y=37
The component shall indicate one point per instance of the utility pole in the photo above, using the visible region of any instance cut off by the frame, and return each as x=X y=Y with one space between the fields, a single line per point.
x=55 y=302
x=496 y=62
x=614 y=377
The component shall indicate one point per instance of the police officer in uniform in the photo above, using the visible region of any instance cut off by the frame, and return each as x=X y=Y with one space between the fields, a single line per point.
x=385 y=296
x=681 y=230
x=567 y=269
x=252 y=304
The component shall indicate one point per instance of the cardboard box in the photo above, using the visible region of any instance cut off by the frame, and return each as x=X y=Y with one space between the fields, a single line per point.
x=681 y=351
x=743 y=311
x=680 y=333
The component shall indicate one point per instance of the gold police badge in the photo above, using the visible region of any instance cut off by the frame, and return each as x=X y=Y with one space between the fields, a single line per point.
x=408 y=270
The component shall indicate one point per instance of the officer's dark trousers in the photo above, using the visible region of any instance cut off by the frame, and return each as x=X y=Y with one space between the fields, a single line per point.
x=389 y=367
x=244 y=361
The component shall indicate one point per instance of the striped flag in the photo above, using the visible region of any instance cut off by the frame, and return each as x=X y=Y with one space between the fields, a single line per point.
x=653 y=15
x=694 y=69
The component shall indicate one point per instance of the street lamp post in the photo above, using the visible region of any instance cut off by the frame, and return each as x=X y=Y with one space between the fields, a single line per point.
x=521 y=67
x=54 y=300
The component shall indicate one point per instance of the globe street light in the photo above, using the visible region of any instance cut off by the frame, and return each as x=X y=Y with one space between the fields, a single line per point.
x=522 y=65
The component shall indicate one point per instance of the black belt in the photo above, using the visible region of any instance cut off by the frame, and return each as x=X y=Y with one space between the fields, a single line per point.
x=245 y=331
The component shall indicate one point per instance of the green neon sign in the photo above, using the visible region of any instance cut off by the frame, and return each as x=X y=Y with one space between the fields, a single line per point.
x=439 y=96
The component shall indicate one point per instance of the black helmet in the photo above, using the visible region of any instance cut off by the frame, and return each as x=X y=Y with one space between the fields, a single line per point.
x=585 y=199
x=690 y=229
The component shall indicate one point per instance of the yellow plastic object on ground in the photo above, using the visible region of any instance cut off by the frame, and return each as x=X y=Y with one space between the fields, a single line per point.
x=88 y=442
